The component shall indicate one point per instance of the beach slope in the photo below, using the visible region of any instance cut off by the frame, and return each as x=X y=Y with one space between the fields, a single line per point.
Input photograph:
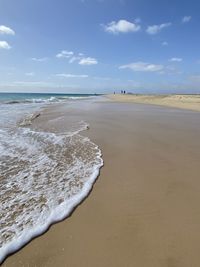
x=144 y=207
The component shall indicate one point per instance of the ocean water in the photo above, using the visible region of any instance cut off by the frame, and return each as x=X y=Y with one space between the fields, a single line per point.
x=43 y=175
x=14 y=98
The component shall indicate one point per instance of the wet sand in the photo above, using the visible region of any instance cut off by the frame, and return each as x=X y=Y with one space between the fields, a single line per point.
x=144 y=208
x=191 y=102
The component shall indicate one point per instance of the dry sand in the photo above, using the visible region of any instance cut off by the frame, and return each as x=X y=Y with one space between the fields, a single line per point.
x=144 y=209
x=191 y=102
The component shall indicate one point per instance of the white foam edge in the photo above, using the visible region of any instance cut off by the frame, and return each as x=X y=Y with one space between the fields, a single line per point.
x=58 y=214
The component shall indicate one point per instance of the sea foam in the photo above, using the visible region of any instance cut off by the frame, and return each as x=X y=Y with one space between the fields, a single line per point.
x=44 y=176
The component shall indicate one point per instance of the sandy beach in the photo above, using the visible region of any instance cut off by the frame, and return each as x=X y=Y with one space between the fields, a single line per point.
x=191 y=102
x=144 y=207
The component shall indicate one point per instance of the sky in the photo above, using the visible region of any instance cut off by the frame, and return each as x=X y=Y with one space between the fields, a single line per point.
x=100 y=46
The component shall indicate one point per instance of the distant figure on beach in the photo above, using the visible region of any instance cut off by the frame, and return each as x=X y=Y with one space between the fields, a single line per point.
x=114 y=92
x=124 y=92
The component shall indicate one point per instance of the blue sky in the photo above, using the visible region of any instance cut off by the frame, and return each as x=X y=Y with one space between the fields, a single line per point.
x=88 y=46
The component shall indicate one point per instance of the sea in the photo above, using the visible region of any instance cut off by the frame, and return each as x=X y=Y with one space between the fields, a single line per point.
x=43 y=175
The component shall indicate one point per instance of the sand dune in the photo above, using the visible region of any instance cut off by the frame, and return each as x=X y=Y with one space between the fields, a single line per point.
x=191 y=102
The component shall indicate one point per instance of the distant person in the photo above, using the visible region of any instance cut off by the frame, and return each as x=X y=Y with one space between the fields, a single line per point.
x=124 y=92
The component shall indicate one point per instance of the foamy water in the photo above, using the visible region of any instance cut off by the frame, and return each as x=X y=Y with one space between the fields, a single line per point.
x=43 y=175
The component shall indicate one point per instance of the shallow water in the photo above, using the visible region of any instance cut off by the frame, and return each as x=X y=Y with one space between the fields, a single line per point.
x=43 y=175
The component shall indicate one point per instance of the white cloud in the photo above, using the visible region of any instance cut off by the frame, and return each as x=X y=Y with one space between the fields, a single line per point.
x=165 y=43
x=88 y=61
x=186 y=19
x=39 y=59
x=4 y=45
x=68 y=75
x=154 y=29
x=73 y=59
x=121 y=26
x=6 y=30
x=142 y=66
x=175 y=59
x=79 y=57
x=65 y=54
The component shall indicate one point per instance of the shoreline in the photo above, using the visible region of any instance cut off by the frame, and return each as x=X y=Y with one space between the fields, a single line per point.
x=189 y=102
x=143 y=209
